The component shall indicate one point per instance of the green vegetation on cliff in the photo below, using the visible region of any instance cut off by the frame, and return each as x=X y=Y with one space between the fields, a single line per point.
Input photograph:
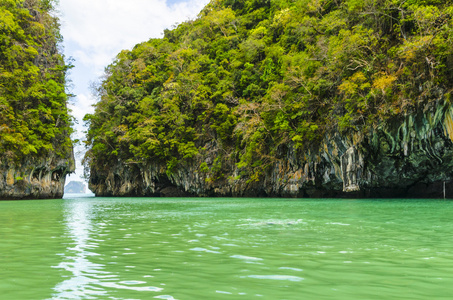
x=258 y=78
x=34 y=119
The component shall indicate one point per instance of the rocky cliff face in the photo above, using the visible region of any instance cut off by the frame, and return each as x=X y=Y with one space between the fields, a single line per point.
x=275 y=98
x=36 y=151
x=408 y=156
x=35 y=178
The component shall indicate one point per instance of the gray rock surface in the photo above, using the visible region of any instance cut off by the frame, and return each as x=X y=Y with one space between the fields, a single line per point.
x=407 y=156
x=35 y=178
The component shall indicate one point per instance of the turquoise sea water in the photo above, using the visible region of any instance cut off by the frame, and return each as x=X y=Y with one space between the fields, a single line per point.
x=205 y=248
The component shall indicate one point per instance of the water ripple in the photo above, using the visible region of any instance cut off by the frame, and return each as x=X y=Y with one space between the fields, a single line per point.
x=289 y=268
x=245 y=257
x=275 y=277
x=133 y=288
x=204 y=250
x=166 y=297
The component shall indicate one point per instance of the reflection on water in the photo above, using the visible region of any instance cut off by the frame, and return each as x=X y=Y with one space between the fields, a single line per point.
x=84 y=274
x=103 y=248
x=88 y=279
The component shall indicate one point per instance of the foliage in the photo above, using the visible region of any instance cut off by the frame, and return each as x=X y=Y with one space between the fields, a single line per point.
x=260 y=76
x=34 y=119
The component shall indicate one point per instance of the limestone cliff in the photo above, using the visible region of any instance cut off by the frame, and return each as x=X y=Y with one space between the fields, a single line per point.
x=281 y=98
x=410 y=156
x=75 y=187
x=35 y=178
x=36 y=150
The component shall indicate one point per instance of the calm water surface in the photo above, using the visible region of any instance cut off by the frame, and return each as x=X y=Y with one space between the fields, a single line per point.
x=108 y=248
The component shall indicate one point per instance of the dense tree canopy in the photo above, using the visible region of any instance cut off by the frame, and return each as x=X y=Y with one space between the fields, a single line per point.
x=34 y=118
x=259 y=76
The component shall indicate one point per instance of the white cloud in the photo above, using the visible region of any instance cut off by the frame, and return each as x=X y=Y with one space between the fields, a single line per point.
x=95 y=31
x=81 y=106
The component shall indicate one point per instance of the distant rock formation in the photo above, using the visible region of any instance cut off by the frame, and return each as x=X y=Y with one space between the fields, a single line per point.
x=75 y=187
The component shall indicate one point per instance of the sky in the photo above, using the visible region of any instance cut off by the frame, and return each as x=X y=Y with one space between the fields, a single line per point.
x=95 y=31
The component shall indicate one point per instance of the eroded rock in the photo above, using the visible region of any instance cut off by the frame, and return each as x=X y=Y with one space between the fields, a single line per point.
x=408 y=156
x=34 y=178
